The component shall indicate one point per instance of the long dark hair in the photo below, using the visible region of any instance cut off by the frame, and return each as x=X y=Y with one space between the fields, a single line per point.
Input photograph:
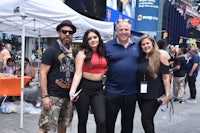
x=88 y=51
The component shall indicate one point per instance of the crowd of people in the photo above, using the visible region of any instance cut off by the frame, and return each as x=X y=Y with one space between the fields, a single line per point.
x=9 y=67
x=140 y=71
x=184 y=66
x=136 y=70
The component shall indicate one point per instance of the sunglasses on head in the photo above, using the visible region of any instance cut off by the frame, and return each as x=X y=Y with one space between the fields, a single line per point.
x=67 y=31
x=124 y=20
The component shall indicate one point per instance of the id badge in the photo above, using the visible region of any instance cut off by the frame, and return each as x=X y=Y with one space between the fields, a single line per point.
x=143 y=87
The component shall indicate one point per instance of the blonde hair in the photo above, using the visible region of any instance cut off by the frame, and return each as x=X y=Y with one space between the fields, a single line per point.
x=154 y=58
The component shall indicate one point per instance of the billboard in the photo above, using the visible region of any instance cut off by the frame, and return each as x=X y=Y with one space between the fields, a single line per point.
x=147 y=16
x=113 y=16
x=124 y=9
x=95 y=9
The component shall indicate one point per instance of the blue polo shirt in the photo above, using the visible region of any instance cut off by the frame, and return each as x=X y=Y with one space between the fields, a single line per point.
x=122 y=68
x=194 y=59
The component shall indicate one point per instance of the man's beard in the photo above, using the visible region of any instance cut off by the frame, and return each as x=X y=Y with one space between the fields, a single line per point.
x=66 y=41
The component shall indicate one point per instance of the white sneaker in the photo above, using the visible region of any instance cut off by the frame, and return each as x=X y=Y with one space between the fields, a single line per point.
x=38 y=104
x=191 y=100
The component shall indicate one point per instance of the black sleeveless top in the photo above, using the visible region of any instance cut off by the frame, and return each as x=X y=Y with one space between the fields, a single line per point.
x=155 y=87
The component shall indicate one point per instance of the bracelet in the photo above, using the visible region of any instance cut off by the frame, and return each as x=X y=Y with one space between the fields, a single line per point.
x=45 y=96
x=71 y=93
x=167 y=95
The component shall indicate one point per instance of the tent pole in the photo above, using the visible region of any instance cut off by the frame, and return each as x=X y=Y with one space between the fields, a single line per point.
x=39 y=48
x=22 y=71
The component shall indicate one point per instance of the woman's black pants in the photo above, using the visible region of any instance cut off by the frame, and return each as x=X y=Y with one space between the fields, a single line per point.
x=148 y=110
x=92 y=95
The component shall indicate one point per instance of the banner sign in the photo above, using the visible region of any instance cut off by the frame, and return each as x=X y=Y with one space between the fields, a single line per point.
x=147 y=15
x=113 y=15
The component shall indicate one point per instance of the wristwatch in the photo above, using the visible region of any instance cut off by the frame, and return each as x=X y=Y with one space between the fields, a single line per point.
x=44 y=96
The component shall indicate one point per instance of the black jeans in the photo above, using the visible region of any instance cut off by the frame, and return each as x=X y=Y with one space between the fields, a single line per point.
x=92 y=95
x=115 y=103
x=148 y=110
x=192 y=86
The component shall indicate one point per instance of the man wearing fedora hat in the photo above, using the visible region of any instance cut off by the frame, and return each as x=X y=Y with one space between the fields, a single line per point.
x=192 y=72
x=56 y=75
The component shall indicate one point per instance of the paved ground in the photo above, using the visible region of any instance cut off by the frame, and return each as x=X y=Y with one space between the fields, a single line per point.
x=185 y=119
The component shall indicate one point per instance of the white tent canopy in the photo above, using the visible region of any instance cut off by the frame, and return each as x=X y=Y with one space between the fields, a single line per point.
x=39 y=18
x=42 y=17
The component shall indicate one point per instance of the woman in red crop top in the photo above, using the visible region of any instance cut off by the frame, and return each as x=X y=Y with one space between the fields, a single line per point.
x=90 y=65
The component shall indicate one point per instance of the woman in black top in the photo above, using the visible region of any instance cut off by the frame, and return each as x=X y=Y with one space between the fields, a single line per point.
x=154 y=79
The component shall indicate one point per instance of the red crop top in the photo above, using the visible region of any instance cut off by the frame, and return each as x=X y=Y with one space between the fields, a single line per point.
x=98 y=65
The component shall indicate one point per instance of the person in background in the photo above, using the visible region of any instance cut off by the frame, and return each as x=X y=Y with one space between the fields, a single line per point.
x=189 y=46
x=28 y=69
x=32 y=92
x=1 y=67
x=90 y=69
x=121 y=89
x=10 y=66
x=56 y=75
x=162 y=46
x=187 y=57
x=154 y=81
x=10 y=70
x=192 y=73
x=5 y=54
x=1 y=46
x=172 y=53
x=179 y=76
x=1 y=63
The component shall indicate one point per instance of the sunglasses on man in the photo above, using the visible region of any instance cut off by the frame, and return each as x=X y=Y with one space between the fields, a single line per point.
x=67 y=31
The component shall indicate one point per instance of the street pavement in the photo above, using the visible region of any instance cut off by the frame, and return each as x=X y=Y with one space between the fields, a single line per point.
x=186 y=119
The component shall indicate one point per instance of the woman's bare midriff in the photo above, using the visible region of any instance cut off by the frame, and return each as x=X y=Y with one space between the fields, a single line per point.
x=93 y=76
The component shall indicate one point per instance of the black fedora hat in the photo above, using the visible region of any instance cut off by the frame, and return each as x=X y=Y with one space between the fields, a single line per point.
x=66 y=23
